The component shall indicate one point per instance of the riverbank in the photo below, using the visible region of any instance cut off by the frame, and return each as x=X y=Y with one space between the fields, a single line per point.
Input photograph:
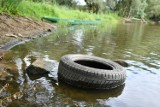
x=19 y=29
x=22 y=21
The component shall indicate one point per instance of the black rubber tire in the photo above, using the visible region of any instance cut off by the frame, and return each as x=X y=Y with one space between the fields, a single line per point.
x=90 y=72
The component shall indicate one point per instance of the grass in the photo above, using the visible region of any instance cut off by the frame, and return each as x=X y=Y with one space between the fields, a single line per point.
x=39 y=10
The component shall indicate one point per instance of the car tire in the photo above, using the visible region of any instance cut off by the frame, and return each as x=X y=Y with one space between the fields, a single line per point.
x=90 y=72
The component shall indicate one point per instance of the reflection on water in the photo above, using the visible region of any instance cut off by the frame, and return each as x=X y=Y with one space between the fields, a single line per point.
x=137 y=44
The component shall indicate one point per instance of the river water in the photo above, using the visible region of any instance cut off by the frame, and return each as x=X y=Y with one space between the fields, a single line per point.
x=137 y=44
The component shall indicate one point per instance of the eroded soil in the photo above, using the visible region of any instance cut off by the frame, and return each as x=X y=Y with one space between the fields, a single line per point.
x=14 y=28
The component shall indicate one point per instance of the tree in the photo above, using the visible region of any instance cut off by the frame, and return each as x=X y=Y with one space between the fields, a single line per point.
x=94 y=6
x=45 y=1
x=66 y=2
x=123 y=7
x=138 y=8
x=153 y=10
x=129 y=8
x=112 y=4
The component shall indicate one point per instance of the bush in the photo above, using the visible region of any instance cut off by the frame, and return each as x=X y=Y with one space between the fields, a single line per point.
x=153 y=10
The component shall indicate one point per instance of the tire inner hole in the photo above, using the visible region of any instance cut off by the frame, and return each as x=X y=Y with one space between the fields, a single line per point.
x=94 y=64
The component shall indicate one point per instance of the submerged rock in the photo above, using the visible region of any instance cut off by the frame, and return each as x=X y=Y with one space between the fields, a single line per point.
x=4 y=75
x=40 y=67
x=1 y=54
x=12 y=68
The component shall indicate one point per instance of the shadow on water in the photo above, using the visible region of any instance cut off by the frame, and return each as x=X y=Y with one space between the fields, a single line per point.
x=42 y=92
x=88 y=95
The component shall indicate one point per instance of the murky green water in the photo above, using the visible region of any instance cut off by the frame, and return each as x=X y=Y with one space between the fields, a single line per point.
x=137 y=44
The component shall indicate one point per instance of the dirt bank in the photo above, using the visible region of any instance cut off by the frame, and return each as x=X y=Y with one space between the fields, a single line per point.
x=18 y=29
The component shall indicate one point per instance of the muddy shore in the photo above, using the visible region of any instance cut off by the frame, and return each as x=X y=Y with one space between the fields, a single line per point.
x=15 y=30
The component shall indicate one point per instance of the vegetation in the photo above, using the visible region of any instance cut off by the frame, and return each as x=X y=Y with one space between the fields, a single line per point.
x=9 y=5
x=153 y=10
x=142 y=9
x=39 y=9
